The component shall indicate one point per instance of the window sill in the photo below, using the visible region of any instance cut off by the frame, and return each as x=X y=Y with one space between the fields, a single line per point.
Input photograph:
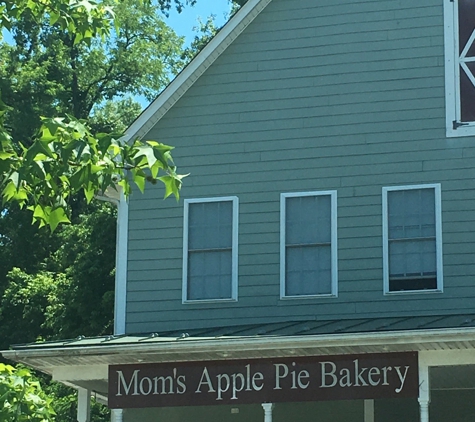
x=461 y=131
x=306 y=297
x=206 y=301
x=409 y=292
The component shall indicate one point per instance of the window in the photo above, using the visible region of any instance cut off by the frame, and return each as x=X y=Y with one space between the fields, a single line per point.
x=412 y=238
x=210 y=249
x=308 y=252
x=460 y=66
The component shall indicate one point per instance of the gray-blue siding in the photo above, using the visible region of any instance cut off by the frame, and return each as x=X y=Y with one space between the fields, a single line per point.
x=343 y=95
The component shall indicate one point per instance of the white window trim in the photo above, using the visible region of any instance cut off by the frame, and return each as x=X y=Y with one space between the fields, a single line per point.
x=334 y=244
x=234 y=252
x=452 y=76
x=438 y=238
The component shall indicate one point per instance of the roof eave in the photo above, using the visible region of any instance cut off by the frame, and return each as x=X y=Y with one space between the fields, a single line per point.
x=248 y=347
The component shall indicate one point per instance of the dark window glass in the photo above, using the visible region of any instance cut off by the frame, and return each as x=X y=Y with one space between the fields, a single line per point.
x=210 y=228
x=412 y=240
x=308 y=245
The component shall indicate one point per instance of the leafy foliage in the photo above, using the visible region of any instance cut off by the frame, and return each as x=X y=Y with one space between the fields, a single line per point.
x=66 y=159
x=53 y=75
x=84 y=305
x=46 y=162
x=205 y=31
x=21 y=397
x=26 y=306
x=74 y=294
x=83 y=18
x=114 y=115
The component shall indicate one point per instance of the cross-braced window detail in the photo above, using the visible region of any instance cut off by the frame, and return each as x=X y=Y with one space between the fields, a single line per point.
x=460 y=66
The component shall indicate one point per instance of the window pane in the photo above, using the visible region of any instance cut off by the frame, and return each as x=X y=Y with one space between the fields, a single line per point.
x=412 y=257
x=411 y=213
x=209 y=275
x=210 y=225
x=308 y=270
x=467 y=94
x=466 y=24
x=308 y=220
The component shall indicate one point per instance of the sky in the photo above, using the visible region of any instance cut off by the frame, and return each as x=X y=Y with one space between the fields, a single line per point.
x=183 y=22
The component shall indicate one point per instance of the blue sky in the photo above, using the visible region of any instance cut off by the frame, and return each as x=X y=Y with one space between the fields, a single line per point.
x=183 y=23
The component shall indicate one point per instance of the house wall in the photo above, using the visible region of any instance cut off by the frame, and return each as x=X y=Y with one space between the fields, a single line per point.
x=344 y=95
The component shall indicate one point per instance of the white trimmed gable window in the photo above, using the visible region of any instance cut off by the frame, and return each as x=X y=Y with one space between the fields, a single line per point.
x=210 y=249
x=412 y=238
x=308 y=251
x=460 y=66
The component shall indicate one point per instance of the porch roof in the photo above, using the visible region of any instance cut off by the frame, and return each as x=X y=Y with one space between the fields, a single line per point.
x=83 y=362
x=292 y=338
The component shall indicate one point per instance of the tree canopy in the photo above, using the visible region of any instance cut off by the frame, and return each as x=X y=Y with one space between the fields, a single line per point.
x=64 y=63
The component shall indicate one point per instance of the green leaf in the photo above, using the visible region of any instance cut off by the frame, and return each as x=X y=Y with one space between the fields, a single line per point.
x=148 y=152
x=57 y=216
x=53 y=17
x=139 y=180
x=9 y=191
x=6 y=155
x=172 y=186
x=89 y=193
x=41 y=214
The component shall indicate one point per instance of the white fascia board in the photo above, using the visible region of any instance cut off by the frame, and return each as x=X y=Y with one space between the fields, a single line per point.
x=174 y=91
x=413 y=339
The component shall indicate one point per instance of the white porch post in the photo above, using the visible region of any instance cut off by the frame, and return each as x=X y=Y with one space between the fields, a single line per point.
x=268 y=411
x=117 y=415
x=84 y=405
x=424 y=390
x=369 y=410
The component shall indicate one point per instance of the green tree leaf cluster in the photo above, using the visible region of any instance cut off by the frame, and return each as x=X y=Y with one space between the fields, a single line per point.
x=84 y=18
x=48 y=70
x=74 y=292
x=66 y=158
x=21 y=397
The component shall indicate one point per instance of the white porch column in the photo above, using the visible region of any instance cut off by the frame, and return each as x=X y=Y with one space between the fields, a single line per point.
x=84 y=405
x=117 y=415
x=424 y=390
x=268 y=411
x=369 y=410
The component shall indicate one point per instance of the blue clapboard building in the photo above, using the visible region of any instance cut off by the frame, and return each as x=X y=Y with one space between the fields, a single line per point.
x=320 y=264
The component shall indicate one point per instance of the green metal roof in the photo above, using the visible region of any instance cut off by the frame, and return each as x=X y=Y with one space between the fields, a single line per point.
x=283 y=329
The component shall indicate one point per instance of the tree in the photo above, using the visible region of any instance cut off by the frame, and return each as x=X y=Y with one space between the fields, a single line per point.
x=56 y=76
x=21 y=397
x=65 y=157
x=205 y=31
